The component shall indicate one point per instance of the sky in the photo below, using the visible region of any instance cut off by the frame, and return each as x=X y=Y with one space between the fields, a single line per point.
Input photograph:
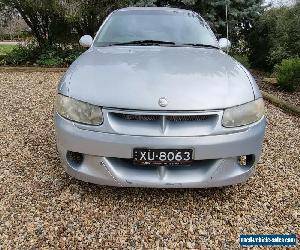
x=280 y=2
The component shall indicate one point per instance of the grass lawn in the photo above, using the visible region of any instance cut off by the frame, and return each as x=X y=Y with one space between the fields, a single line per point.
x=5 y=49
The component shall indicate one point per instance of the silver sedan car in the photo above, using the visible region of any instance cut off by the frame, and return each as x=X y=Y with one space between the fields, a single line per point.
x=156 y=102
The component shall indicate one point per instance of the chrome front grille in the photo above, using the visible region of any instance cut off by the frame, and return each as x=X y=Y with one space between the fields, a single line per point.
x=153 y=123
x=186 y=118
x=171 y=118
x=132 y=117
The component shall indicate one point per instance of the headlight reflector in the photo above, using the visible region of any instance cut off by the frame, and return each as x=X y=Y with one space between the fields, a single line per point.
x=244 y=114
x=78 y=111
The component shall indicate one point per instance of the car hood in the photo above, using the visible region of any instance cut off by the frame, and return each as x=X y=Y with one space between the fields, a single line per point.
x=137 y=77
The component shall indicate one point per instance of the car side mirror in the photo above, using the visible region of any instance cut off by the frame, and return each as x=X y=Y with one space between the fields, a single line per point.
x=224 y=44
x=86 y=41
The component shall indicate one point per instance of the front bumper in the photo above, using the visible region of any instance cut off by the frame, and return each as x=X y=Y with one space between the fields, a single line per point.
x=107 y=157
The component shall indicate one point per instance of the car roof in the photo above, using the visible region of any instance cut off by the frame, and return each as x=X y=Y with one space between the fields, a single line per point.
x=166 y=9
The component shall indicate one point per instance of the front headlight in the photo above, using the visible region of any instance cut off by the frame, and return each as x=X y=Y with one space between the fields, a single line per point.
x=78 y=111
x=243 y=114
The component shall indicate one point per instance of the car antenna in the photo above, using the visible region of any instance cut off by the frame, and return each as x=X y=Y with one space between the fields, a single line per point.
x=227 y=26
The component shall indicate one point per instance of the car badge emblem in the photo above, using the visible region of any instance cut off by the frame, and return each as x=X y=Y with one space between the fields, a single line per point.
x=163 y=102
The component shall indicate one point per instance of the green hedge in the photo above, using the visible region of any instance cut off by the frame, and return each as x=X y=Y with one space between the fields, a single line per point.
x=288 y=74
x=45 y=56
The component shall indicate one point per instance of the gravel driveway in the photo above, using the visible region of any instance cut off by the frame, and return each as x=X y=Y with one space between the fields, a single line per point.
x=42 y=207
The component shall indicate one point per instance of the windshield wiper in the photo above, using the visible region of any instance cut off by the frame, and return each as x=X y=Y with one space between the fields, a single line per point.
x=200 y=45
x=144 y=42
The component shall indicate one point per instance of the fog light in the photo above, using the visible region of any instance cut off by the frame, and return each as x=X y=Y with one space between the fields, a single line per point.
x=246 y=160
x=242 y=160
x=74 y=159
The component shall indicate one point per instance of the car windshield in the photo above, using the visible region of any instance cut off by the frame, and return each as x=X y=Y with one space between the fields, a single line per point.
x=168 y=28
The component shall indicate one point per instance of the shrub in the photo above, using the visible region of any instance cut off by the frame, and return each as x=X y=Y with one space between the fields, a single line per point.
x=21 y=55
x=31 y=54
x=275 y=36
x=50 y=61
x=243 y=59
x=288 y=74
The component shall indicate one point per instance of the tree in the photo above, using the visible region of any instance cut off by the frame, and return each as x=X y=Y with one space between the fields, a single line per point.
x=44 y=18
x=241 y=14
x=275 y=36
x=86 y=16
x=50 y=20
x=6 y=14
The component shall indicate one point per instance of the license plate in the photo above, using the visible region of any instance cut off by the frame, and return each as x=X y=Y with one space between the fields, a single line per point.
x=160 y=157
